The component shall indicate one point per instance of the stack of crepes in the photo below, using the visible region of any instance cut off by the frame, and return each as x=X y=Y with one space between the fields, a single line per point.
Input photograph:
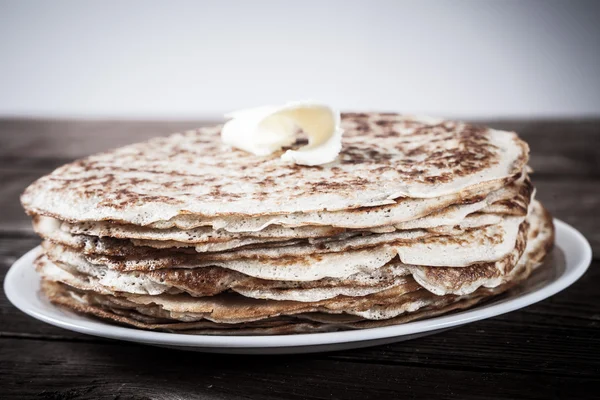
x=415 y=218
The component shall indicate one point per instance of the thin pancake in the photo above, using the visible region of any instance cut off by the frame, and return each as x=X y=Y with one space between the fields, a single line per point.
x=271 y=227
x=305 y=323
x=72 y=299
x=539 y=244
x=209 y=281
x=228 y=308
x=213 y=280
x=194 y=174
x=488 y=244
x=207 y=240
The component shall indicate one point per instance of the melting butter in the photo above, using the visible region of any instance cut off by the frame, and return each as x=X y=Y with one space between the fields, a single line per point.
x=265 y=130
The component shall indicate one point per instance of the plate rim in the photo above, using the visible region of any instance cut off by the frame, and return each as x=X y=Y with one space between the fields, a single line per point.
x=106 y=330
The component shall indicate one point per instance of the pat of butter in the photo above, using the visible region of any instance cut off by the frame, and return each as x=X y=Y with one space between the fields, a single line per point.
x=265 y=130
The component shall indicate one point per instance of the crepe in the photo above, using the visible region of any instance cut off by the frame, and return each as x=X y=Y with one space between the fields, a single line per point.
x=540 y=243
x=209 y=281
x=206 y=239
x=333 y=260
x=384 y=157
x=417 y=217
x=439 y=281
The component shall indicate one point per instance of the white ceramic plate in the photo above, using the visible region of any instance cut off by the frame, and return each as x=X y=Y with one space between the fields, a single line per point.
x=570 y=260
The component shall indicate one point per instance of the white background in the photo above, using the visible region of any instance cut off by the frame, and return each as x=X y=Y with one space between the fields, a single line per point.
x=184 y=59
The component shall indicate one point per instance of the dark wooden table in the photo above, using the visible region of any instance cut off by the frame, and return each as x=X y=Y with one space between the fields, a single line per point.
x=548 y=350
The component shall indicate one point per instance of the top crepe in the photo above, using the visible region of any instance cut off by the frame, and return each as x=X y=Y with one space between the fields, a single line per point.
x=384 y=157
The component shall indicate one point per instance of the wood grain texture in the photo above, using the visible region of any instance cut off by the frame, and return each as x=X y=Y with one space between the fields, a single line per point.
x=548 y=350
x=108 y=370
x=559 y=148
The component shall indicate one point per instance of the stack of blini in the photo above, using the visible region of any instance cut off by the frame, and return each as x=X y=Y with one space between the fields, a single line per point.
x=417 y=217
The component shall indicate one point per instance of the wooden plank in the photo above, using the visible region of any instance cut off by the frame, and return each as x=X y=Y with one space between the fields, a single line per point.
x=575 y=202
x=558 y=335
x=70 y=139
x=14 y=322
x=560 y=148
x=567 y=148
x=13 y=183
x=523 y=342
x=61 y=370
x=548 y=350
